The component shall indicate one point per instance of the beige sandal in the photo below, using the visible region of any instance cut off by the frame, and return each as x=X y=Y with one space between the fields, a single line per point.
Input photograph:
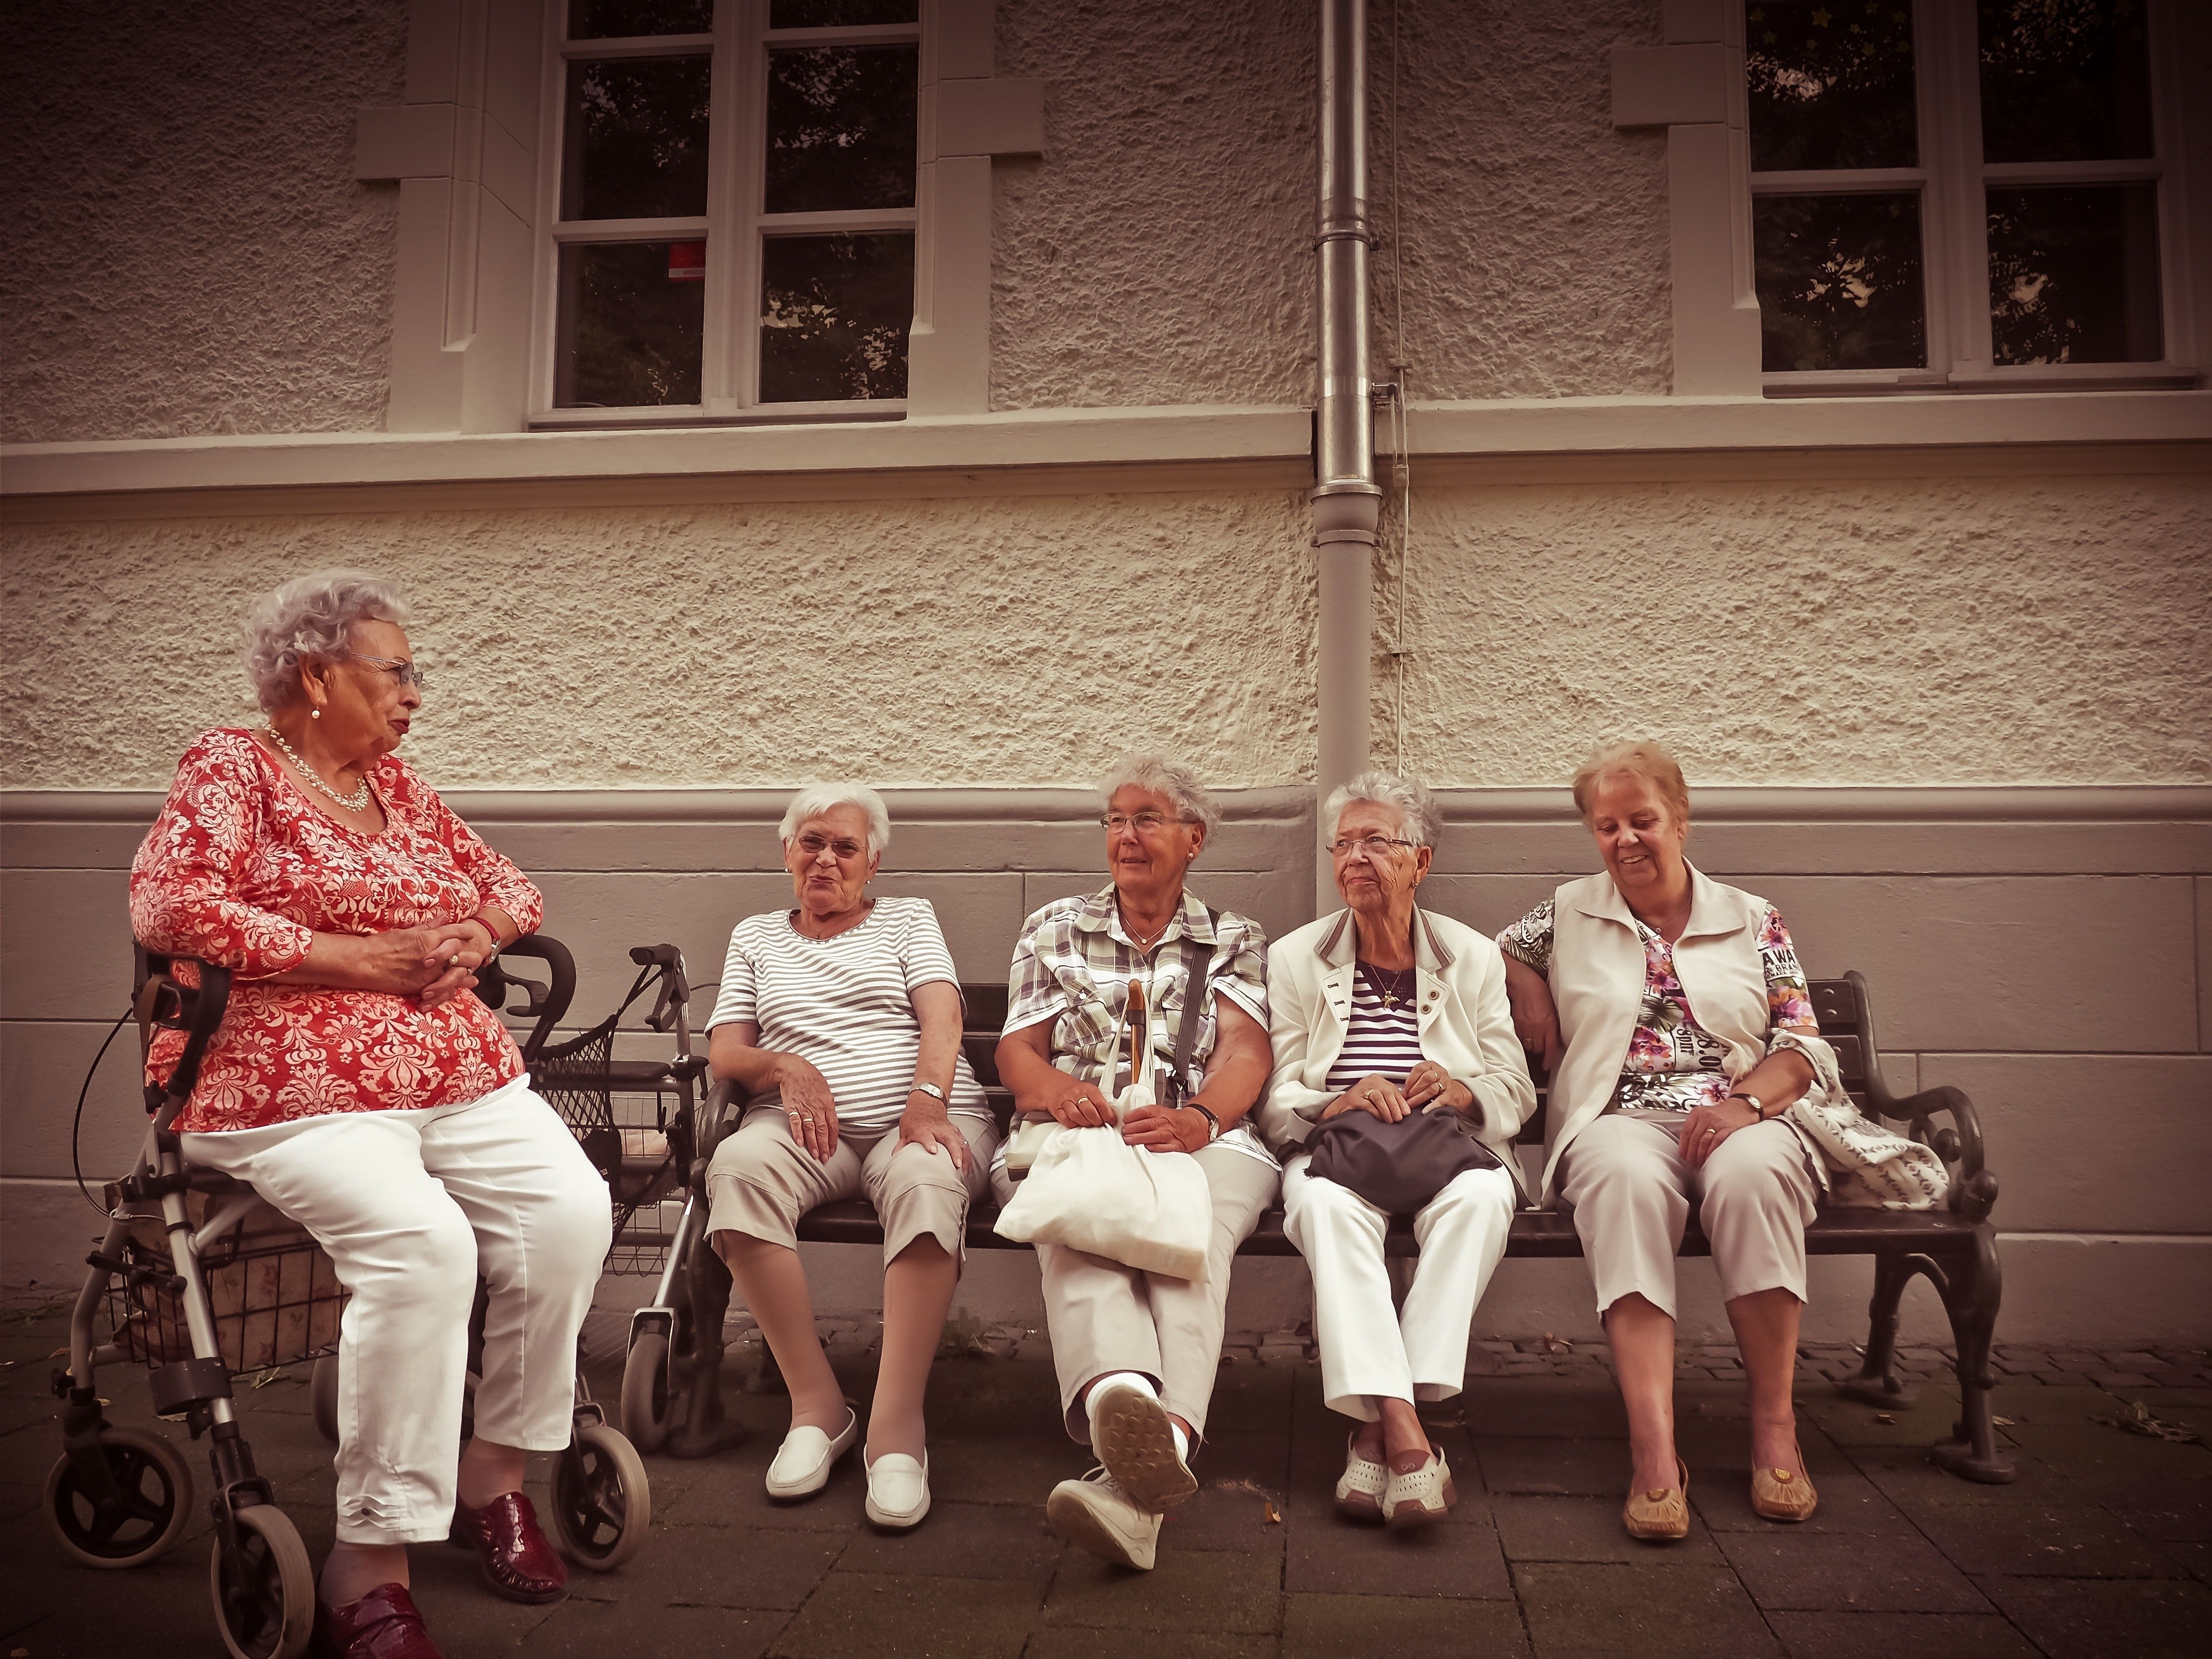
x=1662 y=1514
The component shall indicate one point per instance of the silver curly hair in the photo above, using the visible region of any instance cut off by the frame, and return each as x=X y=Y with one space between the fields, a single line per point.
x=1176 y=782
x=816 y=798
x=1418 y=820
x=311 y=617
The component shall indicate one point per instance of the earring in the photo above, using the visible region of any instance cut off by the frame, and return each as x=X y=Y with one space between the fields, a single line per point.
x=314 y=713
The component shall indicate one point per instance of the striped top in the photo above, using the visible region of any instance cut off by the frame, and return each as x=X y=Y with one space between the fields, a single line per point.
x=846 y=1004
x=1379 y=1041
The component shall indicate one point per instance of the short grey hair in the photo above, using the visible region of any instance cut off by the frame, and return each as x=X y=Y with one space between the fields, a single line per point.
x=816 y=798
x=1418 y=817
x=1169 y=778
x=311 y=617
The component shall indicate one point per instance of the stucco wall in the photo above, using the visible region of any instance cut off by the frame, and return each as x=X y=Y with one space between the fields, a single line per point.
x=930 y=642
x=188 y=251
x=1951 y=631
x=1527 y=237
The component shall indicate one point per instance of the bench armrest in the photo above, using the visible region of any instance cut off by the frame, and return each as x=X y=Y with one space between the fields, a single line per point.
x=1959 y=1143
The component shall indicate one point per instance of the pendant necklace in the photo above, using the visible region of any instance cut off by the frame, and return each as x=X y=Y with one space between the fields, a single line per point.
x=1394 y=986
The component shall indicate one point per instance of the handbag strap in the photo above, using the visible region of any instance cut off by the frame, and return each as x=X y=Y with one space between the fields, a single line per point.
x=1195 y=957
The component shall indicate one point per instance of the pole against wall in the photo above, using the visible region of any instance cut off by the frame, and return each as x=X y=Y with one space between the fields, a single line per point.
x=1347 y=506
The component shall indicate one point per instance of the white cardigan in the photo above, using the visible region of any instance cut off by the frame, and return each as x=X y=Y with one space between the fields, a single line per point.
x=1466 y=1026
x=1597 y=982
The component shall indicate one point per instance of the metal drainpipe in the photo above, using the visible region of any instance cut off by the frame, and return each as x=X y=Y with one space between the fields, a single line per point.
x=1347 y=506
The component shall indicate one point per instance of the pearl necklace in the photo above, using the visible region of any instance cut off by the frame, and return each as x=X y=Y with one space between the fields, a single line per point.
x=356 y=802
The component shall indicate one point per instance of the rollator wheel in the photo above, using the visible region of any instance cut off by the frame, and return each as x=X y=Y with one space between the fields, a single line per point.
x=322 y=1394
x=153 y=1486
x=270 y=1614
x=645 y=1395
x=602 y=1503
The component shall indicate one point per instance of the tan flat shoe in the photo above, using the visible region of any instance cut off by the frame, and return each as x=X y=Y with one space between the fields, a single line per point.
x=1783 y=1495
x=1662 y=1514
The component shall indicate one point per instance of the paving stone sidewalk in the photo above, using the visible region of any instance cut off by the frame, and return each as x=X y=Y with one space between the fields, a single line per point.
x=2102 y=1547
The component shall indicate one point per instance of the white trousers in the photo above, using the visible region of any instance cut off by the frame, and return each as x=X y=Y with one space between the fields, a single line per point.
x=1368 y=1352
x=1630 y=1191
x=411 y=1206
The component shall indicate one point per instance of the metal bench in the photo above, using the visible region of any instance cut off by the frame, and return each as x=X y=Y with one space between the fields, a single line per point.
x=1954 y=1248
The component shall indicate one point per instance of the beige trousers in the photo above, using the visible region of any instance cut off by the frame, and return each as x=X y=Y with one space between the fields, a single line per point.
x=1629 y=1190
x=1103 y=1316
x=762 y=1181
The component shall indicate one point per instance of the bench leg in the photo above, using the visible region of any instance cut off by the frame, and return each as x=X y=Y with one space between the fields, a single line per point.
x=1877 y=1383
x=705 y=1429
x=1974 y=1288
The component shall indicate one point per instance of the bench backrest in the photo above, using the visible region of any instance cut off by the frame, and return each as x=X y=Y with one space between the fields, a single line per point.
x=1837 y=1006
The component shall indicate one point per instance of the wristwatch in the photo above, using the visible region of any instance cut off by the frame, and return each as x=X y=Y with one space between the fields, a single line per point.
x=1212 y=1123
x=1758 y=1106
x=929 y=1089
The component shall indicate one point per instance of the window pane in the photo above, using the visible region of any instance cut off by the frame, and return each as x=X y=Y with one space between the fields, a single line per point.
x=840 y=13
x=2064 y=81
x=840 y=128
x=834 y=312
x=2074 y=274
x=630 y=326
x=635 y=142
x=1831 y=84
x=607 y=20
x=1839 y=281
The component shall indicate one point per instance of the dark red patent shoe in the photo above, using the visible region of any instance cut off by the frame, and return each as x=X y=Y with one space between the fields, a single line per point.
x=518 y=1563
x=382 y=1624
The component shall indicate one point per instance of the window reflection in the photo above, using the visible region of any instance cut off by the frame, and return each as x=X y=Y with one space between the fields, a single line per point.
x=1839 y=281
x=636 y=138
x=2074 y=274
x=840 y=13
x=2064 y=80
x=631 y=324
x=840 y=128
x=1831 y=84
x=834 y=315
x=606 y=20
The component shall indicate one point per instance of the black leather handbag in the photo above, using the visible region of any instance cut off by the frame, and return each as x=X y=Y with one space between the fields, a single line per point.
x=1397 y=1167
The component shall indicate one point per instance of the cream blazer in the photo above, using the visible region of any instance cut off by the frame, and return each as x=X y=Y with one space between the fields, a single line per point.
x=1466 y=1026
x=1597 y=983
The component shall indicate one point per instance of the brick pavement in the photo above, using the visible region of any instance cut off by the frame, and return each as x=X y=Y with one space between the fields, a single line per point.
x=2103 y=1546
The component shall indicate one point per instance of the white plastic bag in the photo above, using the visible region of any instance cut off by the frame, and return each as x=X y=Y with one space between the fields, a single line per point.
x=1090 y=1190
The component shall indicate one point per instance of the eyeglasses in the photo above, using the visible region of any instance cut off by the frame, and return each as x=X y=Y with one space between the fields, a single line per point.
x=814 y=844
x=1376 y=847
x=1145 y=823
x=398 y=667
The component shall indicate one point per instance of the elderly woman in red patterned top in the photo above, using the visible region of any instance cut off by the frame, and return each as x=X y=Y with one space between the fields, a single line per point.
x=360 y=1090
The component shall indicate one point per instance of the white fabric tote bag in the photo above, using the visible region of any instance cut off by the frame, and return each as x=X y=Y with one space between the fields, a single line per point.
x=1093 y=1191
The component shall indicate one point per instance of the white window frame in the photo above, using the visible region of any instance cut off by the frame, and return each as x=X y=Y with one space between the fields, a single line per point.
x=1951 y=180
x=736 y=221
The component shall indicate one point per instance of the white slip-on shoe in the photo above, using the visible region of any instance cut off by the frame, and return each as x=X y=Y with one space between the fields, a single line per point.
x=1095 y=1514
x=1419 y=1495
x=1131 y=1437
x=1360 y=1489
x=802 y=1462
x=899 y=1489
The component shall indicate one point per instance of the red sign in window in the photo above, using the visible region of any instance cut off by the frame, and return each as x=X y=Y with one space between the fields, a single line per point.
x=687 y=261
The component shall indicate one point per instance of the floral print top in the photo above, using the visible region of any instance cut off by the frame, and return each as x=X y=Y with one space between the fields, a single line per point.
x=242 y=869
x=1674 y=1063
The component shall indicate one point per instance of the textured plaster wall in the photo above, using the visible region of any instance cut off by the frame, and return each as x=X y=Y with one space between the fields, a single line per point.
x=1159 y=251
x=939 y=643
x=1936 y=632
x=1523 y=241
x=188 y=251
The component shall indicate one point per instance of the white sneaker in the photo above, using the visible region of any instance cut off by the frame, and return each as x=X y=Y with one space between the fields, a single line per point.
x=1133 y=1439
x=899 y=1489
x=1095 y=1514
x=802 y=1462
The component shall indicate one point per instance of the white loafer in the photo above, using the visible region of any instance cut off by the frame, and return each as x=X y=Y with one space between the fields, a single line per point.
x=802 y=1462
x=899 y=1489
x=1134 y=1442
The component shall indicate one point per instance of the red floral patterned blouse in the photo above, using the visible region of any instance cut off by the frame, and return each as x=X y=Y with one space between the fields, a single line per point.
x=242 y=869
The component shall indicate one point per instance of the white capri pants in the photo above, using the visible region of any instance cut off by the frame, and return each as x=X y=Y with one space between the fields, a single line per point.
x=1106 y=1316
x=1369 y=1352
x=411 y=1206
x=1631 y=1192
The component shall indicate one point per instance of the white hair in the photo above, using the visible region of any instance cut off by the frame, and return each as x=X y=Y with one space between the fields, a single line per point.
x=1418 y=820
x=311 y=617
x=816 y=798
x=1177 y=782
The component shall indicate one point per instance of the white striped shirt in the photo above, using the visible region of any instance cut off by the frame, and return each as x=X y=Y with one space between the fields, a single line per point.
x=1379 y=1041
x=846 y=1004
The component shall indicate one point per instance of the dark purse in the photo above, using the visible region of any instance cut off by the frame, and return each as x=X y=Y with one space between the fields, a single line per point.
x=1397 y=1167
